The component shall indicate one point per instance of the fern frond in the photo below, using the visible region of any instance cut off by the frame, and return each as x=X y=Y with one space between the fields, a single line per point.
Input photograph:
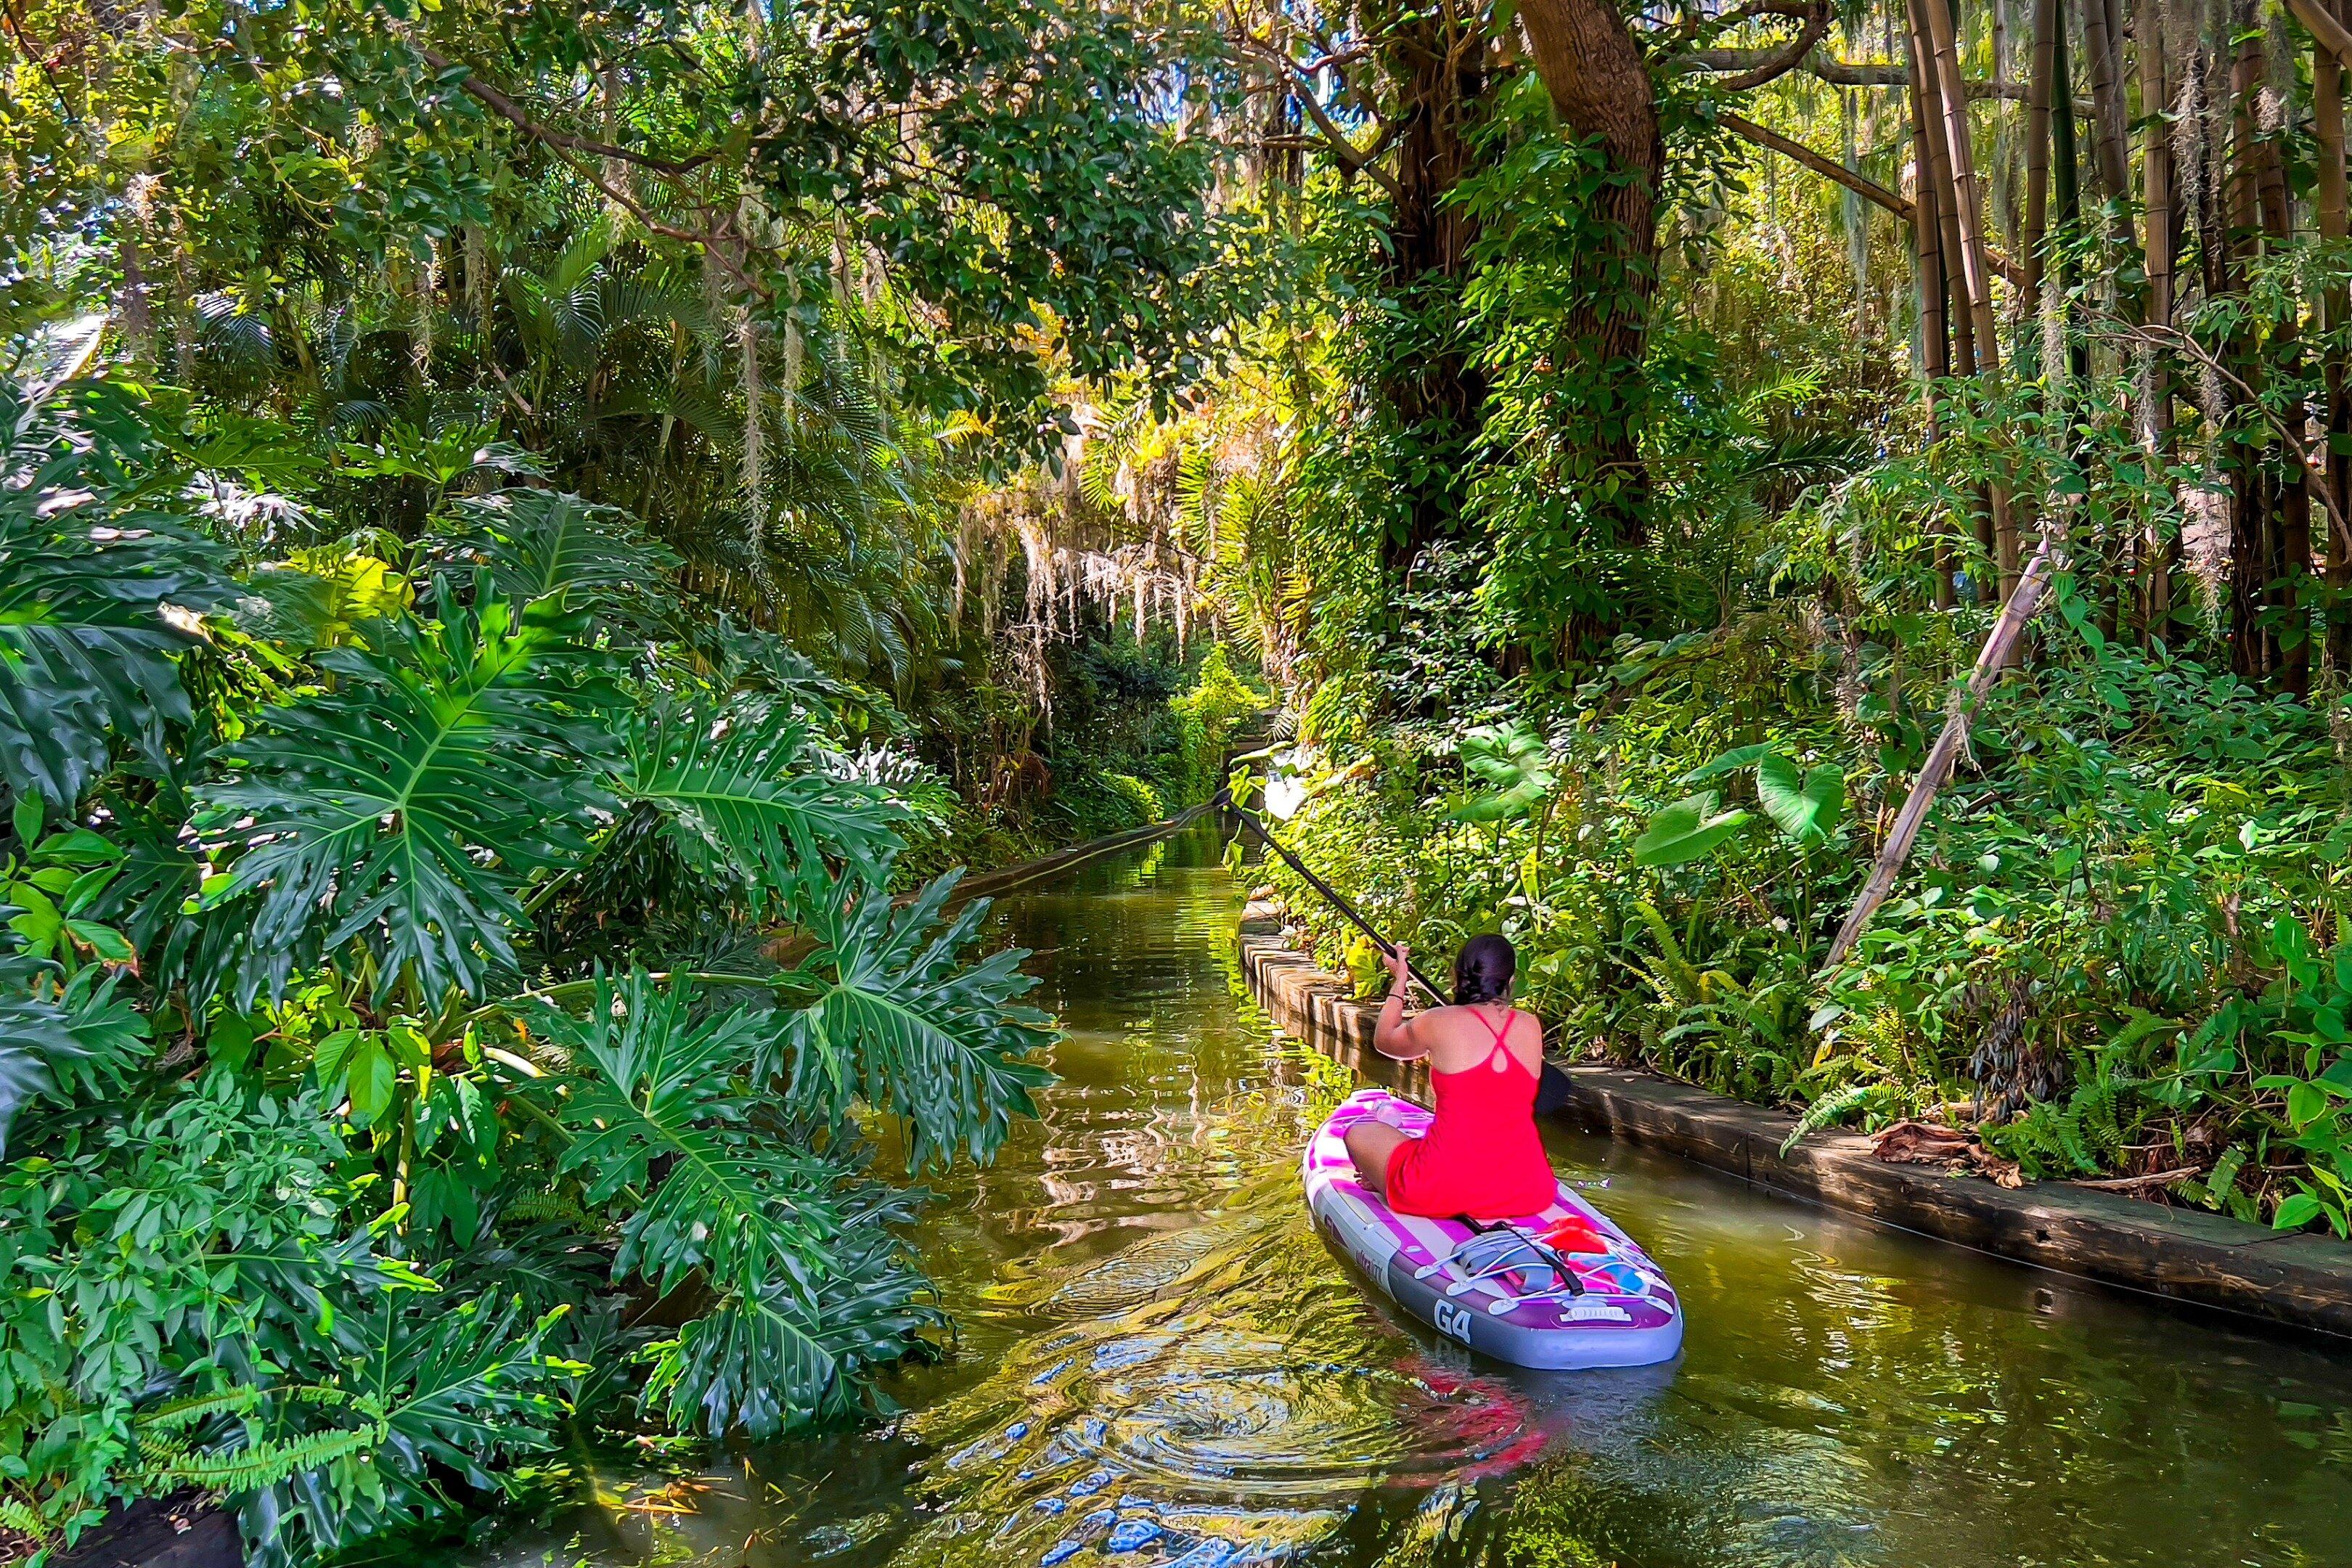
x=265 y=1464
x=1835 y=1106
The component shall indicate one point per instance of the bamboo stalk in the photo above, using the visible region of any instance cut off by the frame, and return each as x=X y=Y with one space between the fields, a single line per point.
x=2327 y=129
x=2046 y=23
x=2109 y=154
x=2161 y=549
x=2251 y=641
x=1934 y=339
x=1927 y=113
x=1960 y=151
x=1975 y=275
x=1999 y=649
x=2290 y=561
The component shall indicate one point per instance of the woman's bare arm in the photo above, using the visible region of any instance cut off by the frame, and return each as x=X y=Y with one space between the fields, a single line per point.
x=1394 y=1035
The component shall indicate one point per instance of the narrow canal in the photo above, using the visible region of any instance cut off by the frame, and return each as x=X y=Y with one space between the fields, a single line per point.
x=1161 y=1363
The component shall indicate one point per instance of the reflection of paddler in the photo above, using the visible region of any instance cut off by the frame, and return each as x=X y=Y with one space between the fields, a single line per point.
x=1487 y=1419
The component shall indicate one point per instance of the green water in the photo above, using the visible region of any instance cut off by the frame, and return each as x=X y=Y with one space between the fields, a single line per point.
x=1158 y=1355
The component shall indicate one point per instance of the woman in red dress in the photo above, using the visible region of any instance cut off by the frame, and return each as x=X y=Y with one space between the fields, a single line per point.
x=1480 y=1159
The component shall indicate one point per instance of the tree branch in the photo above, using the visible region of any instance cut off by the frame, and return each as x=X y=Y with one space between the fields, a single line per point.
x=1828 y=168
x=506 y=108
x=1812 y=18
x=1334 y=140
x=1823 y=66
x=1831 y=169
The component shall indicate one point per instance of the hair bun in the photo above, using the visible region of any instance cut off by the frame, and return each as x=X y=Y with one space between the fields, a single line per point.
x=1483 y=969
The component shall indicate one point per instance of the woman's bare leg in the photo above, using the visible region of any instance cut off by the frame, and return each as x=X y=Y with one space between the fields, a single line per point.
x=1369 y=1144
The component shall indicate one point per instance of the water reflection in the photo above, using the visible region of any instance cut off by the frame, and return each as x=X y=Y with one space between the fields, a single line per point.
x=1158 y=1362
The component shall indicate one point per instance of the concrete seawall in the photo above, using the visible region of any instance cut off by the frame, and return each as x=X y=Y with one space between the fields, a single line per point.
x=2207 y=1260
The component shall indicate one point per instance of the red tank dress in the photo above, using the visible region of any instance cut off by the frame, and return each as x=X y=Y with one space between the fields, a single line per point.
x=1480 y=1158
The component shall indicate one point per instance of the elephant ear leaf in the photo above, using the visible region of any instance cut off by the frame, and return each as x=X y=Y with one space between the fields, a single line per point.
x=1690 y=829
x=1806 y=807
x=1514 y=762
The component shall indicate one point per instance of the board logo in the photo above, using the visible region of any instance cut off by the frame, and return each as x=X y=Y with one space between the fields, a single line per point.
x=1452 y=1320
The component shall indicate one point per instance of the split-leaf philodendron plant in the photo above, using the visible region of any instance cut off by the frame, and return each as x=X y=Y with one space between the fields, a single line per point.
x=332 y=1188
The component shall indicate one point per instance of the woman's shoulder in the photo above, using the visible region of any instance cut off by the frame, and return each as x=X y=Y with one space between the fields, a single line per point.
x=1474 y=1026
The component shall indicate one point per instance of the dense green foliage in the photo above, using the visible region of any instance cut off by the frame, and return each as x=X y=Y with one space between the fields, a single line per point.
x=1663 y=761
x=530 y=543
x=489 y=700
x=337 y=1188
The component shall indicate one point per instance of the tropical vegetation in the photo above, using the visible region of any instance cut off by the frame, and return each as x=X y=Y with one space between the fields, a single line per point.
x=533 y=541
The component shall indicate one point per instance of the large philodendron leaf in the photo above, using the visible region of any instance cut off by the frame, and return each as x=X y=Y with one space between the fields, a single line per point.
x=744 y=804
x=430 y=1391
x=669 y=1124
x=88 y=570
x=59 y=1035
x=761 y=1363
x=541 y=544
x=658 y=1104
x=889 y=1012
x=406 y=807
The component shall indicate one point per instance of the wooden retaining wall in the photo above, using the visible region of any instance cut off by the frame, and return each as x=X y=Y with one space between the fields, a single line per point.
x=2185 y=1255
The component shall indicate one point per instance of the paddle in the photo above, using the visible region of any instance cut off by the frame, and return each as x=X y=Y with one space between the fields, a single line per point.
x=1553 y=1089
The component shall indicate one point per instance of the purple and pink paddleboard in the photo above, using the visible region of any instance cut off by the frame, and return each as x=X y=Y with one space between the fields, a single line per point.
x=1484 y=1288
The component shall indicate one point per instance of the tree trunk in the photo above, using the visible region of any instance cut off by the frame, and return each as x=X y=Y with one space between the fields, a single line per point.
x=1437 y=393
x=1600 y=85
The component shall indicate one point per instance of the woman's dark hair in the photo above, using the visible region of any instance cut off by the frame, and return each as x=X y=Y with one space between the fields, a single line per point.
x=1483 y=971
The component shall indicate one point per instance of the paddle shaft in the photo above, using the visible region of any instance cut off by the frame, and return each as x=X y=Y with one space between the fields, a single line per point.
x=1552 y=1087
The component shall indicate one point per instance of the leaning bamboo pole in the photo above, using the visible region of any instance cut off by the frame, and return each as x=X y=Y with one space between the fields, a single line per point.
x=1999 y=652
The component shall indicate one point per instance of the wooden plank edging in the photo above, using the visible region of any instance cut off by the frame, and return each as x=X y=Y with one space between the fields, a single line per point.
x=2208 y=1260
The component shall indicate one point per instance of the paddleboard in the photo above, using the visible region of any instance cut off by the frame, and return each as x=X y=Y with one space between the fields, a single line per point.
x=1487 y=1288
